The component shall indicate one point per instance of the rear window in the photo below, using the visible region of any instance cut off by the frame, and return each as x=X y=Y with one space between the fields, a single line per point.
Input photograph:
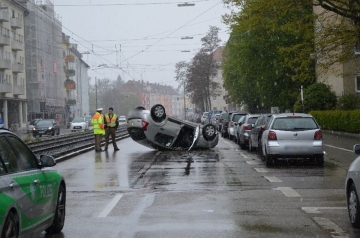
x=252 y=120
x=294 y=123
x=236 y=117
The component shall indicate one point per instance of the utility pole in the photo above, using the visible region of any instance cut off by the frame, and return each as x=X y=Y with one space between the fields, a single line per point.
x=96 y=106
x=184 y=103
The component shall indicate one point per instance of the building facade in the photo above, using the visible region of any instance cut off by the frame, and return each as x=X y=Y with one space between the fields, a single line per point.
x=13 y=95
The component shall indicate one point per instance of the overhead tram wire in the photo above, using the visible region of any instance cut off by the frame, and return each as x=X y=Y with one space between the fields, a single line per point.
x=175 y=30
x=126 y=4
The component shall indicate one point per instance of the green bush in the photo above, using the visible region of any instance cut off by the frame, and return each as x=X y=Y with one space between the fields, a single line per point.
x=338 y=120
x=349 y=101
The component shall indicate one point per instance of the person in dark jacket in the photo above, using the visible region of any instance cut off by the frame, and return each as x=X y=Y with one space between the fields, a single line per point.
x=111 y=125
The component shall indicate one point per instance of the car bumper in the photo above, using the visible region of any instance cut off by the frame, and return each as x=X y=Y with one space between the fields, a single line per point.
x=295 y=149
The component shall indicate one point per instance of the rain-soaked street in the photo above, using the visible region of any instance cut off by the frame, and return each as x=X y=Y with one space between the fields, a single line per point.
x=224 y=192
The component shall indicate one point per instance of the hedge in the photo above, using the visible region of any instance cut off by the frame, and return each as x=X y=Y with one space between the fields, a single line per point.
x=338 y=120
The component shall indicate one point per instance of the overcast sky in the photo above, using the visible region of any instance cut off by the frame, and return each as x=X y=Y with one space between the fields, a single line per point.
x=138 y=39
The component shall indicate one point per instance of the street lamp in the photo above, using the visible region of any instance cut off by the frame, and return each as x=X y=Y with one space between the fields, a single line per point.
x=186 y=4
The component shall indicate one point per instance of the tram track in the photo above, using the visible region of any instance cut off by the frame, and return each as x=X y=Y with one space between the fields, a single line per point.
x=69 y=145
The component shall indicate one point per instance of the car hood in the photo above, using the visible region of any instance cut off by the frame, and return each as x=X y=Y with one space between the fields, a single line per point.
x=78 y=123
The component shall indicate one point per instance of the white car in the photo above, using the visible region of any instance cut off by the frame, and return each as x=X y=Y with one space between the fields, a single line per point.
x=352 y=186
x=79 y=124
x=122 y=118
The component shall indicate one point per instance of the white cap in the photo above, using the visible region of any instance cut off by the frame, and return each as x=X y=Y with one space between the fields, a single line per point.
x=99 y=109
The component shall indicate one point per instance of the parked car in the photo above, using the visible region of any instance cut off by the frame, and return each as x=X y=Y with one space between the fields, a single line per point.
x=204 y=118
x=46 y=127
x=257 y=130
x=234 y=117
x=292 y=135
x=244 y=130
x=88 y=120
x=32 y=198
x=215 y=120
x=31 y=125
x=122 y=118
x=79 y=124
x=352 y=186
x=224 y=121
x=237 y=128
x=154 y=129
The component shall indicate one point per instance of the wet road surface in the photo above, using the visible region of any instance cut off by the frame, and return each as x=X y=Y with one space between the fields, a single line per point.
x=224 y=192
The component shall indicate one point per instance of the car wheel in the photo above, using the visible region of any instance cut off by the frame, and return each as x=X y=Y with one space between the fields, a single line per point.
x=158 y=113
x=11 y=228
x=209 y=132
x=59 y=218
x=320 y=160
x=268 y=159
x=353 y=206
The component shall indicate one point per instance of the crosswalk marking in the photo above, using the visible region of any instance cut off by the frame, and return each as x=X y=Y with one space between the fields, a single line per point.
x=110 y=206
x=261 y=170
x=289 y=192
x=273 y=179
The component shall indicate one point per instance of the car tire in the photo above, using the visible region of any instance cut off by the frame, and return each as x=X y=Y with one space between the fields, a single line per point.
x=11 y=226
x=320 y=160
x=59 y=218
x=209 y=132
x=353 y=206
x=158 y=113
x=269 y=160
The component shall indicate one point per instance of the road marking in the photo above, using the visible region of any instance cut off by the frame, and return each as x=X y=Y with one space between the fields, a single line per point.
x=273 y=179
x=110 y=206
x=289 y=192
x=251 y=162
x=316 y=209
x=261 y=170
x=244 y=156
x=158 y=153
x=338 y=148
x=328 y=224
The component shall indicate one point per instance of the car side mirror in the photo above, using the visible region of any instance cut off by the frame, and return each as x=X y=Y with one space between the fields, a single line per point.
x=236 y=123
x=47 y=161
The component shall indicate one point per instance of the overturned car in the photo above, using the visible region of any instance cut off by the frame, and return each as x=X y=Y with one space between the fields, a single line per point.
x=154 y=129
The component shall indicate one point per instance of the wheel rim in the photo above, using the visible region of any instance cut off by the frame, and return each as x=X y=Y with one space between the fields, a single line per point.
x=352 y=206
x=61 y=207
x=210 y=131
x=159 y=111
x=11 y=229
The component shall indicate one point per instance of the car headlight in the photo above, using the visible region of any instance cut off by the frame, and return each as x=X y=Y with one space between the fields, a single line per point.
x=50 y=128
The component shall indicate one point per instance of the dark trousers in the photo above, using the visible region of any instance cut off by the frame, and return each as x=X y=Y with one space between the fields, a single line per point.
x=110 y=131
x=98 y=138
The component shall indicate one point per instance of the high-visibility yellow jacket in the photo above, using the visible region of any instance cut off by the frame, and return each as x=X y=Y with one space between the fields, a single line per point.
x=111 y=121
x=97 y=122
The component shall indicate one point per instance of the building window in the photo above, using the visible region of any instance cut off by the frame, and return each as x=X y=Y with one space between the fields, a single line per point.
x=357 y=83
x=214 y=98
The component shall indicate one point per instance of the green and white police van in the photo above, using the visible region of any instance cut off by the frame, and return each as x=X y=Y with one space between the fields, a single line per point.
x=32 y=195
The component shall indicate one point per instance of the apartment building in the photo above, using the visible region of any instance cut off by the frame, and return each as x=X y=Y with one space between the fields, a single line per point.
x=13 y=95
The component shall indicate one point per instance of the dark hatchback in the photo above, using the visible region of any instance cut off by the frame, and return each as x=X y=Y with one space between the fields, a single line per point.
x=46 y=127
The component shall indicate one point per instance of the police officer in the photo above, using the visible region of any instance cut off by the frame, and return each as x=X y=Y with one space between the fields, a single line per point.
x=97 y=122
x=111 y=124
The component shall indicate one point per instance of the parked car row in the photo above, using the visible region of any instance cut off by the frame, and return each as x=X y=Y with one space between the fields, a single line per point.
x=275 y=136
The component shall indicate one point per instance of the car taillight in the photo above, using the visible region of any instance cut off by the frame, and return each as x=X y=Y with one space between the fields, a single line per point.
x=272 y=135
x=318 y=135
x=144 y=125
x=247 y=127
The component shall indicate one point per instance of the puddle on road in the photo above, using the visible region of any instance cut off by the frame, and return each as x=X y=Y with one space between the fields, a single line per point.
x=263 y=228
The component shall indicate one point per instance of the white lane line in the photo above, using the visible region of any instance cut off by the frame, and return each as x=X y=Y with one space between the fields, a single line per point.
x=245 y=156
x=273 y=179
x=110 y=206
x=339 y=148
x=289 y=192
x=328 y=224
x=157 y=153
x=316 y=209
x=261 y=170
x=251 y=162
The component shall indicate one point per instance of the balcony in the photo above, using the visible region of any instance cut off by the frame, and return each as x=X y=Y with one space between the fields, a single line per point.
x=17 y=45
x=19 y=90
x=4 y=40
x=17 y=68
x=5 y=64
x=16 y=23
x=70 y=72
x=4 y=16
x=69 y=58
x=5 y=88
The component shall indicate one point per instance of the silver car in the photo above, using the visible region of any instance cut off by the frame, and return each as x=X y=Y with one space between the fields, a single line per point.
x=352 y=184
x=154 y=129
x=292 y=135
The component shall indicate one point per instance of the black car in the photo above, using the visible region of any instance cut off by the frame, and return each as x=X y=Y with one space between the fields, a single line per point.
x=256 y=132
x=46 y=127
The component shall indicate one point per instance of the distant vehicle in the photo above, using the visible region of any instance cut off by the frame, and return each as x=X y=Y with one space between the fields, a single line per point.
x=31 y=125
x=79 y=124
x=46 y=127
x=292 y=135
x=122 y=118
x=204 y=118
x=88 y=120
x=32 y=195
x=234 y=117
x=352 y=186
x=256 y=132
x=154 y=129
x=245 y=129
